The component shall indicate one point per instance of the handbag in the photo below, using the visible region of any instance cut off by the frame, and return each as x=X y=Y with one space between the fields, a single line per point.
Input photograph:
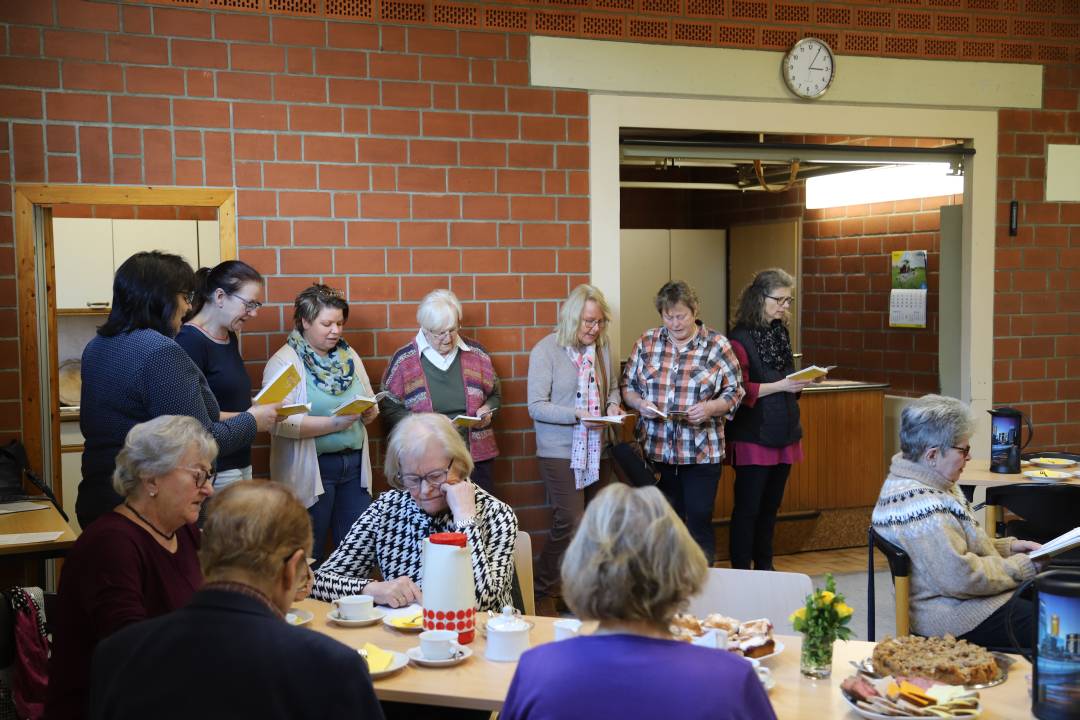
x=630 y=462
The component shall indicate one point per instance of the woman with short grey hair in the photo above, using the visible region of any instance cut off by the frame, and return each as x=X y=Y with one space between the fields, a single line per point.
x=138 y=561
x=445 y=372
x=961 y=579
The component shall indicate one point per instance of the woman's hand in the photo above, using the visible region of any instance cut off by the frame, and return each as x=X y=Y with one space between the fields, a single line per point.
x=370 y=414
x=793 y=386
x=647 y=409
x=1024 y=546
x=615 y=409
x=485 y=419
x=305 y=587
x=266 y=416
x=461 y=497
x=343 y=422
x=398 y=592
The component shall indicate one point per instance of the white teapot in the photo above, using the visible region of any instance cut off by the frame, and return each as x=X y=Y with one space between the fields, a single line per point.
x=507 y=636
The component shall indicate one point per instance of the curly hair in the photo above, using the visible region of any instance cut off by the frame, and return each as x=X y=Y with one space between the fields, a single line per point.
x=751 y=310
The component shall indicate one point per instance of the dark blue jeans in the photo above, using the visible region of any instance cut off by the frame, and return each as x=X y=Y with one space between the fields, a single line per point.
x=759 y=490
x=691 y=490
x=342 y=501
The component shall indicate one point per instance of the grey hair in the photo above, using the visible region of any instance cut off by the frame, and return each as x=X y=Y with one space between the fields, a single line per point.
x=573 y=308
x=154 y=448
x=933 y=421
x=412 y=437
x=675 y=292
x=439 y=311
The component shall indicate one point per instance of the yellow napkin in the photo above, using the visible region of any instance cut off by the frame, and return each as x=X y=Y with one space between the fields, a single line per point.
x=377 y=658
x=408 y=621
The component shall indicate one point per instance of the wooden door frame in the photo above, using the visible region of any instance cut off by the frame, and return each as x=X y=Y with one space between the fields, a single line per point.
x=30 y=198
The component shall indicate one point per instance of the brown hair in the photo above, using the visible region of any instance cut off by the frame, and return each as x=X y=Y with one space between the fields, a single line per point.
x=675 y=292
x=310 y=302
x=751 y=310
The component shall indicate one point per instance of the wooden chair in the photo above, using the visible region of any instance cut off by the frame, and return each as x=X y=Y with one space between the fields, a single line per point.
x=750 y=594
x=900 y=568
x=523 y=570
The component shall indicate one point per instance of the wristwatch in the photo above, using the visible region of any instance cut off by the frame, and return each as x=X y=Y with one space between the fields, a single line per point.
x=465 y=524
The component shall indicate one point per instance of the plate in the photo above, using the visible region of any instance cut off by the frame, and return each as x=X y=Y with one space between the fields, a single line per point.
x=1052 y=462
x=1004 y=662
x=298 y=617
x=388 y=621
x=879 y=716
x=1045 y=475
x=400 y=660
x=463 y=654
x=778 y=647
x=376 y=616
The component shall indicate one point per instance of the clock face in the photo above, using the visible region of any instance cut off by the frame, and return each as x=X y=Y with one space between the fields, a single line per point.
x=809 y=68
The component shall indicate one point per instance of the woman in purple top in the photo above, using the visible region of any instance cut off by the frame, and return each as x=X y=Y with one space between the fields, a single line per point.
x=631 y=566
x=138 y=561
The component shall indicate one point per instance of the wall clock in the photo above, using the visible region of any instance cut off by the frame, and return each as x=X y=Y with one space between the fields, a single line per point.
x=808 y=68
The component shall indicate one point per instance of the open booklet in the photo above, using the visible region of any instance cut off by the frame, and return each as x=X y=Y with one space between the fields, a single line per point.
x=279 y=386
x=1060 y=544
x=613 y=419
x=358 y=404
x=470 y=420
x=810 y=373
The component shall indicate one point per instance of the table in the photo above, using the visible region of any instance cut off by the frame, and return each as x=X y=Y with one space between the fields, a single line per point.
x=977 y=474
x=35 y=521
x=482 y=685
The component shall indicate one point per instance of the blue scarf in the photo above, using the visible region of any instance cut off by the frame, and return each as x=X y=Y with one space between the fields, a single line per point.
x=333 y=374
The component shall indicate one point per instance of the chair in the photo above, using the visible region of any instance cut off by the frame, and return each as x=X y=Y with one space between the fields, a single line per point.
x=900 y=568
x=1046 y=511
x=750 y=594
x=523 y=571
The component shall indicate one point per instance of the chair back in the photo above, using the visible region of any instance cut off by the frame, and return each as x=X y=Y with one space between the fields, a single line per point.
x=1048 y=510
x=900 y=568
x=523 y=569
x=752 y=594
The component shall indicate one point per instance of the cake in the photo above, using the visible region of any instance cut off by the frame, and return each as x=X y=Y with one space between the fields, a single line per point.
x=945 y=659
x=752 y=638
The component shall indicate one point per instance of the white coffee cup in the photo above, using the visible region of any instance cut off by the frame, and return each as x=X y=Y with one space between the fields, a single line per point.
x=355 y=607
x=438 y=644
x=567 y=628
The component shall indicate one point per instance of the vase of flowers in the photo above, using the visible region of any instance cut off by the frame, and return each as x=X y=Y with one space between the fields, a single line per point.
x=822 y=621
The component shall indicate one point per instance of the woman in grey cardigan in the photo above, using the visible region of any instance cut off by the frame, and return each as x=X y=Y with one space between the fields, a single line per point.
x=961 y=579
x=571 y=380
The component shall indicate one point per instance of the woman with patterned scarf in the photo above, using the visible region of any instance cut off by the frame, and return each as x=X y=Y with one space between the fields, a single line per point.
x=323 y=457
x=764 y=437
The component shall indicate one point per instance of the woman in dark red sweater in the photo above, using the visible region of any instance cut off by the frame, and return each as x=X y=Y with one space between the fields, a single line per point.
x=138 y=561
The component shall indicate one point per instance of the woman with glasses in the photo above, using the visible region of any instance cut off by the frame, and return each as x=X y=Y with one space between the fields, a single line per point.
x=764 y=437
x=137 y=561
x=442 y=371
x=571 y=379
x=325 y=458
x=133 y=370
x=428 y=467
x=226 y=297
x=961 y=578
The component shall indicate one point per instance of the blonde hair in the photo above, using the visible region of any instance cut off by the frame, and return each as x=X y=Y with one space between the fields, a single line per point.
x=566 y=332
x=154 y=448
x=412 y=437
x=253 y=526
x=440 y=310
x=632 y=559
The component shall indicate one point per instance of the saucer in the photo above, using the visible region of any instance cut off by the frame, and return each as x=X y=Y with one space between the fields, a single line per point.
x=463 y=654
x=375 y=617
x=388 y=621
x=297 y=617
x=399 y=661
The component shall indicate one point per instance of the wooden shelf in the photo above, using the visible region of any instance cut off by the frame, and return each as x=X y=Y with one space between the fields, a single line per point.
x=81 y=311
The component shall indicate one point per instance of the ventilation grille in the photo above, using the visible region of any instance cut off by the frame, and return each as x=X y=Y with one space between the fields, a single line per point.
x=974 y=49
x=303 y=7
x=665 y=7
x=1065 y=30
x=705 y=8
x=349 y=8
x=833 y=15
x=913 y=21
x=555 y=22
x=404 y=11
x=792 y=13
x=945 y=48
x=953 y=24
x=874 y=18
x=861 y=43
x=901 y=46
x=1015 y=51
x=945 y=3
x=693 y=33
x=237 y=4
x=1053 y=53
x=1040 y=6
x=505 y=19
x=991 y=26
x=615 y=4
x=735 y=35
x=984 y=4
x=602 y=25
x=456 y=15
x=1031 y=28
x=748 y=9
x=649 y=29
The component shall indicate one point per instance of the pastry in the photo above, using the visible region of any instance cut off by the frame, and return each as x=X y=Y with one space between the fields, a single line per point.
x=945 y=659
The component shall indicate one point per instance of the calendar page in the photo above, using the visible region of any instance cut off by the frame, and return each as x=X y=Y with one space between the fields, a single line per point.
x=907 y=308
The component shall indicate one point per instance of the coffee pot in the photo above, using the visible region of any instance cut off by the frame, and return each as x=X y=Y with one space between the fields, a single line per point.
x=448 y=587
x=1056 y=646
x=1005 y=444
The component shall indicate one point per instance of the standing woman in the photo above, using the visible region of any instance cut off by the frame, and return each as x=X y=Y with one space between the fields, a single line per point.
x=765 y=435
x=324 y=457
x=570 y=381
x=688 y=369
x=133 y=371
x=225 y=297
x=442 y=371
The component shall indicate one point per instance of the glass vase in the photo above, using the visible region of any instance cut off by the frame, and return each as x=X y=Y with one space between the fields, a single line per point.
x=815 y=661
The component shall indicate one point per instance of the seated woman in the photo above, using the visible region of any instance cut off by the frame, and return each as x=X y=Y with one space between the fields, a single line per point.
x=138 y=561
x=631 y=566
x=961 y=579
x=428 y=467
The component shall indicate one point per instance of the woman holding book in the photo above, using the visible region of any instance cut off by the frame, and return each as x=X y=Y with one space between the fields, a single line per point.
x=442 y=371
x=764 y=437
x=323 y=455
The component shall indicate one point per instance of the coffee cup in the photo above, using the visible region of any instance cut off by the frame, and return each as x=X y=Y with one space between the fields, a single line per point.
x=438 y=644
x=567 y=628
x=355 y=607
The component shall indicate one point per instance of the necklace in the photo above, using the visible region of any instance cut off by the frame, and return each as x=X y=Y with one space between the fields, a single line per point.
x=209 y=334
x=151 y=525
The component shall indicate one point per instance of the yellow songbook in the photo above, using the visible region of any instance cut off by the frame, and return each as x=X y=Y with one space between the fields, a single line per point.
x=279 y=387
x=377 y=658
x=358 y=404
x=297 y=409
x=810 y=373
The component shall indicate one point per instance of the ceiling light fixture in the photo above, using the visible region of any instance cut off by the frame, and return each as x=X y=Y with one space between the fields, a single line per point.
x=894 y=182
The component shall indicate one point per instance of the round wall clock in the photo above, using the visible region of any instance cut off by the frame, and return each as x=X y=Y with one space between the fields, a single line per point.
x=808 y=68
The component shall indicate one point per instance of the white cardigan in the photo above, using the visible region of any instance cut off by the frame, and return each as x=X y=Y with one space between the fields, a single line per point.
x=293 y=460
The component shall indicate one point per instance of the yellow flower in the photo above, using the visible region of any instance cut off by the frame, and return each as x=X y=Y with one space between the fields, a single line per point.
x=843 y=610
x=799 y=614
x=825 y=598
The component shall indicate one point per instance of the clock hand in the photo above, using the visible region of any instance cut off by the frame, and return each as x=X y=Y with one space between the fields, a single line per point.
x=816 y=56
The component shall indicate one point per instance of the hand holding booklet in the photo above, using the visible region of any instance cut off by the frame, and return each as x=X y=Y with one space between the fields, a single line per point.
x=1060 y=544
x=279 y=386
x=810 y=373
x=471 y=420
x=358 y=404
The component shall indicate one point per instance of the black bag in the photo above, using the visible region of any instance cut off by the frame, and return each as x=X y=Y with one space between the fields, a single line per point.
x=630 y=458
x=14 y=466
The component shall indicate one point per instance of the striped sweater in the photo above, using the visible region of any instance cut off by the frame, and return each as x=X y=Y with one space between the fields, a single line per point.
x=959 y=574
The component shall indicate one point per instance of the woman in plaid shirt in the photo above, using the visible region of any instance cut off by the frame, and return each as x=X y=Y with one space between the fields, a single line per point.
x=684 y=382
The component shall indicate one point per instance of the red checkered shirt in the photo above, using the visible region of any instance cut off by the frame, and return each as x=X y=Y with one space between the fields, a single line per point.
x=673 y=379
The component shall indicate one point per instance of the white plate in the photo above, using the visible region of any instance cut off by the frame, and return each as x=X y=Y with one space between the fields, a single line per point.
x=1052 y=463
x=298 y=617
x=778 y=647
x=463 y=654
x=400 y=660
x=878 y=716
x=388 y=622
x=1048 y=475
x=376 y=616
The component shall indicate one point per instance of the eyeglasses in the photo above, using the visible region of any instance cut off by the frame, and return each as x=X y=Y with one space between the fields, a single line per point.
x=594 y=323
x=200 y=476
x=249 y=305
x=444 y=334
x=434 y=479
x=966 y=449
x=782 y=301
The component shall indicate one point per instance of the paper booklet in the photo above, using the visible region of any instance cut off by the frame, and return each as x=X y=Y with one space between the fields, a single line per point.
x=358 y=404
x=470 y=420
x=670 y=413
x=297 y=409
x=1060 y=544
x=279 y=386
x=613 y=419
x=810 y=373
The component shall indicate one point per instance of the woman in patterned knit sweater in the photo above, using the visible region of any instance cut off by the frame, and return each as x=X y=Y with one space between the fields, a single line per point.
x=428 y=466
x=961 y=579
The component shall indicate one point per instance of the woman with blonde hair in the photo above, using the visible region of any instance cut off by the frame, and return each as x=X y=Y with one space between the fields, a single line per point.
x=631 y=566
x=571 y=379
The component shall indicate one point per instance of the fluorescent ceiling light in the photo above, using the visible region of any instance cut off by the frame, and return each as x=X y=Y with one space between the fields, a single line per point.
x=893 y=182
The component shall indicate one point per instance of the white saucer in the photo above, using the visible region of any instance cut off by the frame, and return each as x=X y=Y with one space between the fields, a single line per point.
x=388 y=622
x=297 y=617
x=399 y=661
x=375 y=617
x=463 y=654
